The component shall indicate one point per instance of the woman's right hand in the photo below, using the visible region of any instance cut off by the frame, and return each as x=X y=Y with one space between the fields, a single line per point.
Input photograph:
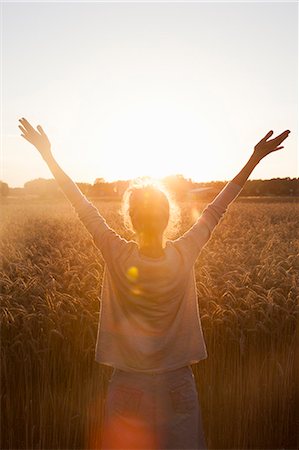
x=264 y=147
x=37 y=138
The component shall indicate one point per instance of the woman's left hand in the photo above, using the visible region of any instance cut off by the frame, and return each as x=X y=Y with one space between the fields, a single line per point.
x=37 y=138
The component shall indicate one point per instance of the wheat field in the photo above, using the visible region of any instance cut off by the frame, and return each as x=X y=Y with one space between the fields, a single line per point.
x=52 y=390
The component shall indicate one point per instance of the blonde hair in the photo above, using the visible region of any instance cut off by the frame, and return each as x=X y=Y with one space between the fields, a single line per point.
x=153 y=193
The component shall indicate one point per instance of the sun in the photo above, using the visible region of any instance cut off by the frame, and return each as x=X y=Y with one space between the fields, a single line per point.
x=153 y=139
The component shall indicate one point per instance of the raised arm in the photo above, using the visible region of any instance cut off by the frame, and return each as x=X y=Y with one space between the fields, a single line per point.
x=198 y=235
x=89 y=215
x=215 y=210
x=41 y=142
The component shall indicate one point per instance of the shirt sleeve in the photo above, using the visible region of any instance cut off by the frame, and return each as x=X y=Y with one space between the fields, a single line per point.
x=198 y=235
x=105 y=239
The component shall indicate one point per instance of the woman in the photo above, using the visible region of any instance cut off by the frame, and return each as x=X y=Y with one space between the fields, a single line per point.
x=149 y=327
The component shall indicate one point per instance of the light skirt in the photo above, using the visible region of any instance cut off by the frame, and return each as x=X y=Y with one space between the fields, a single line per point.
x=156 y=411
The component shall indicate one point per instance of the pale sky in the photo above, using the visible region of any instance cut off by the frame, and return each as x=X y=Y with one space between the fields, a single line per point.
x=130 y=89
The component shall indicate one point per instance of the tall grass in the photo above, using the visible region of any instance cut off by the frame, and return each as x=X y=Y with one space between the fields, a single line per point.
x=53 y=391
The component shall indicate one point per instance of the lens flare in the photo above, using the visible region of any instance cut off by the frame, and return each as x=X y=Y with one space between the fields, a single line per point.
x=132 y=274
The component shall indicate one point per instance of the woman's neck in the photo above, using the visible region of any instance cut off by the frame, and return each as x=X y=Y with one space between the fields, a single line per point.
x=150 y=245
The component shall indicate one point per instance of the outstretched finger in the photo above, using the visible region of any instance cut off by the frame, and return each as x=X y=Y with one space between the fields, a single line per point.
x=26 y=124
x=268 y=135
x=262 y=141
x=40 y=129
x=282 y=137
x=278 y=141
x=275 y=149
x=26 y=138
x=22 y=129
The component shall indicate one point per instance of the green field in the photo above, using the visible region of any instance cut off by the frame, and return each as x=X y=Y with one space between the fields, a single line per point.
x=247 y=280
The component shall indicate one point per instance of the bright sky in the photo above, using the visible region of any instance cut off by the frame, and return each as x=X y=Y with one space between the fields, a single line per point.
x=132 y=89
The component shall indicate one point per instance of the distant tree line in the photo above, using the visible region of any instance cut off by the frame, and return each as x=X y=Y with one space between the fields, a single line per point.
x=255 y=188
x=4 y=189
x=179 y=187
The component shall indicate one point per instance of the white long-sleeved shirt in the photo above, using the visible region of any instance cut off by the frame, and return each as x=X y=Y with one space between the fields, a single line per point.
x=149 y=318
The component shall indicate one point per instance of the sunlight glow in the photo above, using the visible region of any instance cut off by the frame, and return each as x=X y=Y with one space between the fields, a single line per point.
x=154 y=88
x=151 y=140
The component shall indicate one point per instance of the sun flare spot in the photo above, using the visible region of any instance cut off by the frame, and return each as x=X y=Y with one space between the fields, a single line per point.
x=136 y=291
x=132 y=274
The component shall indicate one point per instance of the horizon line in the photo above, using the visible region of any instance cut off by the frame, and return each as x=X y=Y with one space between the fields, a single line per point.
x=154 y=178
